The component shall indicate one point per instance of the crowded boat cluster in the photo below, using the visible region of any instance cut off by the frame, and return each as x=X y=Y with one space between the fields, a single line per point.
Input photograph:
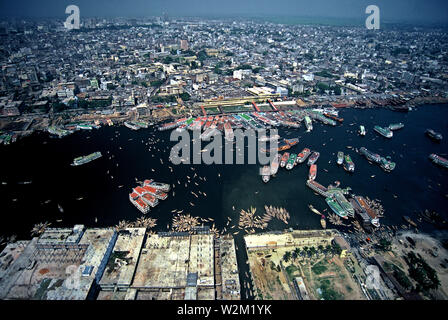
x=141 y=222
x=249 y=221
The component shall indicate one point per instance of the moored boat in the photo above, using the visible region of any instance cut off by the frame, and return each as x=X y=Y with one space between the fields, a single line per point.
x=340 y=157
x=266 y=174
x=284 y=159
x=396 y=126
x=313 y=158
x=434 y=135
x=291 y=161
x=385 y=132
x=438 y=160
x=323 y=223
x=312 y=172
x=348 y=164
x=275 y=164
x=362 y=130
x=303 y=155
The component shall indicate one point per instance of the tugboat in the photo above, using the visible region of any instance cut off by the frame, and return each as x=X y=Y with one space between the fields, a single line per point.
x=434 y=135
x=340 y=157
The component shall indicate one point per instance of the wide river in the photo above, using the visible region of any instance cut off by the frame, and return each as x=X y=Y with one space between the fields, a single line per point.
x=416 y=184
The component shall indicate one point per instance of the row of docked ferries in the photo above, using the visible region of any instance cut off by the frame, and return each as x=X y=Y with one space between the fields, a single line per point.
x=148 y=195
x=385 y=163
x=293 y=159
x=255 y=120
x=64 y=130
x=288 y=161
x=86 y=159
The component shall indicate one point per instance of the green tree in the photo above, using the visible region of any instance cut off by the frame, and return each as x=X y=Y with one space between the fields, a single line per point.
x=287 y=256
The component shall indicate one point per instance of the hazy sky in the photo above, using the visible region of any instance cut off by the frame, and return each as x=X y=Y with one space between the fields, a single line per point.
x=397 y=10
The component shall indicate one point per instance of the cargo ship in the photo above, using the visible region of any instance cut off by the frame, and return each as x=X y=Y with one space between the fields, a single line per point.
x=303 y=155
x=396 y=126
x=333 y=117
x=438 y=160
x=340 y=158
x=291 y=161
x=86 y=159
x=274 y=164
x=308 y=124
x=313 y=172
x=313 y=158
x=336 y=207
x=362 y=130
x=284 y=159
x=374 y=157
x=348 y=164
x=434 y=135
x=385 y=132
x=266 y=174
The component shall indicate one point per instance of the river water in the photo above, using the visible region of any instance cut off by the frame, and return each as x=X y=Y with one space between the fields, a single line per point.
x=416 y=182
